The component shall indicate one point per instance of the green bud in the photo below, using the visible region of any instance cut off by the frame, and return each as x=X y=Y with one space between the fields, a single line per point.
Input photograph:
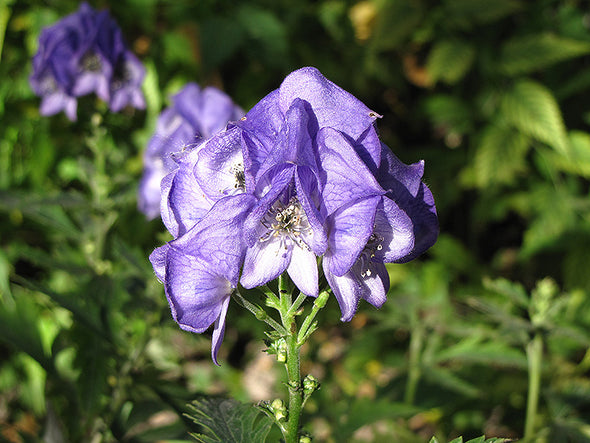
x=310 y=385
x=304 y=439
x=322 y=299
x=281 y=349
x=279 y=410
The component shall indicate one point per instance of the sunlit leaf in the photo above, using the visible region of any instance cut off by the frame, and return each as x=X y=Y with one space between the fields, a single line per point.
x=500 y=156
x=531 y=108
x=449 y=60
x=534 y=52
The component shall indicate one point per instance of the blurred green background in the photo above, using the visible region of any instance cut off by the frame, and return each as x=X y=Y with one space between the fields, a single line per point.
x=493 y=95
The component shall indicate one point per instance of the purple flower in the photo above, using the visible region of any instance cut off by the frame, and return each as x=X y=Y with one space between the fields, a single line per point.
x=200 y=269
x=393 y=228
x=195 y=115
x=84 y=53
x=303 y=175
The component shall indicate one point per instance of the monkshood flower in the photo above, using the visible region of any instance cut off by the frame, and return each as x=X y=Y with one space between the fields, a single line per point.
x=85 y=53
x=395 y=227
x=303 y=175
x=194 y=115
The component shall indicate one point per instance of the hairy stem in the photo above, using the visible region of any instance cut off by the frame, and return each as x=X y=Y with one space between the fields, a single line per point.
x=291 y=430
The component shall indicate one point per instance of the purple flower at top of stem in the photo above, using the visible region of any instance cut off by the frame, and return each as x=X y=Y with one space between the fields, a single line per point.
x=303 y=175
x=195 y=115
x=85 y=53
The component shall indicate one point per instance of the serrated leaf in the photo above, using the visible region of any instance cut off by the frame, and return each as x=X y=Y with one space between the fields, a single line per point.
x=531 y=108
x=228 y=421
x=530 y=53
x=500 y=156
x=449 y=61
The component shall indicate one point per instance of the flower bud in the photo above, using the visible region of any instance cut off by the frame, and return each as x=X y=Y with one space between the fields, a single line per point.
x=310 y=385
x=279 y=410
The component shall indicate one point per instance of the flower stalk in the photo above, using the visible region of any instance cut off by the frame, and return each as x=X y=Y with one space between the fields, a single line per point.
x=291 y=430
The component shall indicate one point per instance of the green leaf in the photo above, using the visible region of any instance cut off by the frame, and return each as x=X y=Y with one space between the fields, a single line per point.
x=530 y=53
x=267 y=31
x=473 y=350
x=5 y=267
x=556 y=213
x=468 y=13
x=449 y=61
x=531 y=108
x=19 y=326
x=395 y=21
x=228 y=421
x=578 y=162
x=500 y=156
x=220 y=38
x=447 y=379
x=449 y=111
x=514 y=291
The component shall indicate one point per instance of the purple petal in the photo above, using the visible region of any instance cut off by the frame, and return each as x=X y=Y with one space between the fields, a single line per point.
x=332 y=105
x=350 y=288
x=194 y=290
x=347 y=178
x=396 y=229
x=351 y=227
x=219 y=331
x=219 y=161
x=158 y=260
x=265 y=261
x=405 y=188
x=347 y=290
x=218 y=236
x=306 y=186
x=185 y=199
x=303 y=270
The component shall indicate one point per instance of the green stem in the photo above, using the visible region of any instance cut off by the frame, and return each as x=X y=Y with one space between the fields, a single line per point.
x=291 y=429
x=534 y=353
x=295 y=388
x=414 y=370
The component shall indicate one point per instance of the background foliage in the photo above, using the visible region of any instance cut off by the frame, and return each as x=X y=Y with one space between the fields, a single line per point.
x=492 y=94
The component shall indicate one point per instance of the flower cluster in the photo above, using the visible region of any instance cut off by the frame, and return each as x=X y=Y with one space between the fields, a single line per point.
x=303 y=175
x=195 y=115
x=84 y=53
